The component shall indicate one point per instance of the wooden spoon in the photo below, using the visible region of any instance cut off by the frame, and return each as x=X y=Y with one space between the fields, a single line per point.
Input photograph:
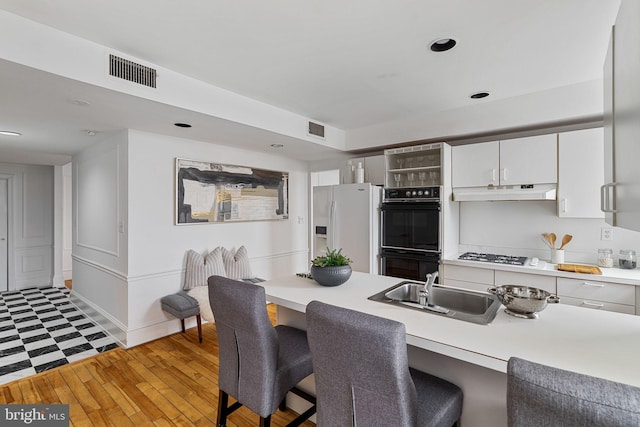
x=566 y=239
x=552 y=240
x=547 y=239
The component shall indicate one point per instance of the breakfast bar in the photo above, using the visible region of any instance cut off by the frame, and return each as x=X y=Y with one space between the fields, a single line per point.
x=597 y=343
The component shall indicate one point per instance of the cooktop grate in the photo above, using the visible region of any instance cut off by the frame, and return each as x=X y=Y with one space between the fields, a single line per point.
x=494 y=258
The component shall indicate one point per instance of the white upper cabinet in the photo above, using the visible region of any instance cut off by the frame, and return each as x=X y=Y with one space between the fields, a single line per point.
x=475 y=165
x=581 y=173
x=622 y=194
x=520 y=161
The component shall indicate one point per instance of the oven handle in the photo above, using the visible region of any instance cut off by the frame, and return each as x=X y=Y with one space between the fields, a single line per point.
x=399 y=250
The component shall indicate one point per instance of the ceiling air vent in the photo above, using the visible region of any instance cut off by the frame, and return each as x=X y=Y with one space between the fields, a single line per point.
x=131 y=71
x=316 y=129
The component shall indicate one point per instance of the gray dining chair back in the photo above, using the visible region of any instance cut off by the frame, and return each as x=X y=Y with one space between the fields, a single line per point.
x=258 y=363
x=363 y=377
x=543 y=396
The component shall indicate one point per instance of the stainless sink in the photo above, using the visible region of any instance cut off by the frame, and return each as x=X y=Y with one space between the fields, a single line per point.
x=461 y=304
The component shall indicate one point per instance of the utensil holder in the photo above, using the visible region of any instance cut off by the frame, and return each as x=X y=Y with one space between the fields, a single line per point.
x=557 y=256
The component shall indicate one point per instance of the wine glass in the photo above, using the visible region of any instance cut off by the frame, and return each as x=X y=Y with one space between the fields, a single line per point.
x=422 y=176
x=434 y=177
x=411 y=177
x=397 y=177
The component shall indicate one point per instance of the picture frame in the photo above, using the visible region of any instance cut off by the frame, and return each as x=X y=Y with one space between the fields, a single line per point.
x=209 y=192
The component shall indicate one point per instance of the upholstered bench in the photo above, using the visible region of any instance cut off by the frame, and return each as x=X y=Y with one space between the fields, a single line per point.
x=181 y=305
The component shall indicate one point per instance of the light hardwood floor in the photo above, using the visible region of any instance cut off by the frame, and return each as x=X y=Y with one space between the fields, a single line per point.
x=167 y=382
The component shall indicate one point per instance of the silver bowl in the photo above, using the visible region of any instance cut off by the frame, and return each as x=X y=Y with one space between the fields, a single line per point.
x=523 y=301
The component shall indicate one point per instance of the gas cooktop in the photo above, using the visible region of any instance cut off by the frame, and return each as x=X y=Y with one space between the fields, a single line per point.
x=494 y=258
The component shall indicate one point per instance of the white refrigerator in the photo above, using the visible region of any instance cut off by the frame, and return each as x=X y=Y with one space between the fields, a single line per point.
x=347 y=217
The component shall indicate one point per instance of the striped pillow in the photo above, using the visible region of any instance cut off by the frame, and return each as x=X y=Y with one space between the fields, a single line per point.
x=199 y=269
x=237 y=265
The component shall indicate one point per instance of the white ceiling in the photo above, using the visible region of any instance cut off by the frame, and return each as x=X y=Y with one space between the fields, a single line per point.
x=348 y=64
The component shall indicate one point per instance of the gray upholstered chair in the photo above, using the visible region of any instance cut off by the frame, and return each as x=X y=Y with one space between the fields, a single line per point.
x=543 y=396
x=362 y=374
x=258 y=363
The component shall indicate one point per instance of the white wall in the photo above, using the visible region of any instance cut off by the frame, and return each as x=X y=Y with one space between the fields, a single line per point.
x=514 y=228
x=99 y=250
x=31 y=191
x=128 y=253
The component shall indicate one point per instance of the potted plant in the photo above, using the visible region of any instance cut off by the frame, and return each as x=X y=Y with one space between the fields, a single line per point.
x=332 y=268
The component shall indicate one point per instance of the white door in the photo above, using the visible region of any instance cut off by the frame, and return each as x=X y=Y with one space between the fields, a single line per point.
x=4 y=224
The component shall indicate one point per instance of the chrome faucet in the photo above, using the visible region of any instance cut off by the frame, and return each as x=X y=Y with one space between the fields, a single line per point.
x=428 y=285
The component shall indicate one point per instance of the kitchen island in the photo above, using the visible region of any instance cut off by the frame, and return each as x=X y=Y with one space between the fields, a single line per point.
x=598 y=343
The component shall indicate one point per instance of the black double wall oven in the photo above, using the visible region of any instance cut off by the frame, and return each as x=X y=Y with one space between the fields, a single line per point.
x=410 y=232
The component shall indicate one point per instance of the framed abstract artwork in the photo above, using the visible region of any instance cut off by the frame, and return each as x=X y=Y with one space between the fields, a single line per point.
x=217 y=193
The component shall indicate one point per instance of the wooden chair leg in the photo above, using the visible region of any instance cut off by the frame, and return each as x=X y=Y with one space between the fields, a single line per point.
x=223 y=401
x=182 y=323
x=265 y=422
x=199 y=320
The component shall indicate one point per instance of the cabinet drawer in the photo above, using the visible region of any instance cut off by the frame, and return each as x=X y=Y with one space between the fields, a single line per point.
x=472 y=286
x=468 y=274
x=548 y=283
x=598 y=305
x=598 y=291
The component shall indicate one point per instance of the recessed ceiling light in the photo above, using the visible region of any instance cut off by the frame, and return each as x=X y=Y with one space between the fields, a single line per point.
x=10 y=133
x=442 y=45
x=91 y=132
x=277 y=145
x=479 y=95
x=182 y=125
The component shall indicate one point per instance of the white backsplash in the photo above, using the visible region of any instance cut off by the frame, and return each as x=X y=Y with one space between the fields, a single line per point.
x=515 y=228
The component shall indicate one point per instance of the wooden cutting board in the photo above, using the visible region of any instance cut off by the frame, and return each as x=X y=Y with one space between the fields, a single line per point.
x=579 y=268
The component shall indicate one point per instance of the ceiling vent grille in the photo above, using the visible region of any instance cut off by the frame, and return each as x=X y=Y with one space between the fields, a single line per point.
x=316 y=129
x=131 y=71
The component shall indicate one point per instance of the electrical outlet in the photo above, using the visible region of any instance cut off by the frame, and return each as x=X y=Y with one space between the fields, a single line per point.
x=606 y=233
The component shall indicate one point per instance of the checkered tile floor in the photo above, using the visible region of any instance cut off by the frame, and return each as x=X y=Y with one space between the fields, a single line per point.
x=41 y=329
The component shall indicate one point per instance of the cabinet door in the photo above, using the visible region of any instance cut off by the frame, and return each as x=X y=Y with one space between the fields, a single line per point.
x=626 y=110
x=581 y=173
x=530 y=160
x=597 y=291
x=609 y=167
x=475 y=165
x=374 y=169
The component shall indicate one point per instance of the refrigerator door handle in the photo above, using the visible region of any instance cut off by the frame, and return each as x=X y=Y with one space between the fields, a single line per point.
x=332 y=224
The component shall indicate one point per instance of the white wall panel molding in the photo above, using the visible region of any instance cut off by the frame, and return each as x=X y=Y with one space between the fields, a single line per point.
x=132 y=280
x=97 y=182
x=103 y=268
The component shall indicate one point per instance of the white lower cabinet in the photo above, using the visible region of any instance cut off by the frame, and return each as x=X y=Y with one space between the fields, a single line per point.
x=597 y=295
x=475 y=279
x=548 y=283
x=608 y=296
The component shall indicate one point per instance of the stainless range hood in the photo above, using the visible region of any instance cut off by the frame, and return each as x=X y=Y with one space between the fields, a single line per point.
x=505 y=192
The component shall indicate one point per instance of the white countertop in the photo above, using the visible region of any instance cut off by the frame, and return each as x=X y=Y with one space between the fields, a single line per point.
x=598 y=343
x=617 y=275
